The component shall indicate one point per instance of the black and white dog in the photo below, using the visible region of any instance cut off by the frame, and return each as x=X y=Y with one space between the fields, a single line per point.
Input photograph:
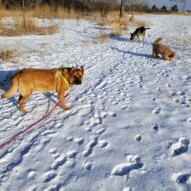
x=138 y=32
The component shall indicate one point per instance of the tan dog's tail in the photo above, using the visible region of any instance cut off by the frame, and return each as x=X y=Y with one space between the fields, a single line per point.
x=13 y=89
x=157 y=41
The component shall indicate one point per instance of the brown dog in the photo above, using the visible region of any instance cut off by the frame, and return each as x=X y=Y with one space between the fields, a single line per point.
x=165 y=51
x=27 y=81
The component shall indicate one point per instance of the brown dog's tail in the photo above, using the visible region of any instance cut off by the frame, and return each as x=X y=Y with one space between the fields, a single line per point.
x=13 y=89
x=157 y=41
x=172 y=55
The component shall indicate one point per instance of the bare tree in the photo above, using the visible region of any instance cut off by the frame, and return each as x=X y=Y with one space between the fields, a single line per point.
x=122 y=8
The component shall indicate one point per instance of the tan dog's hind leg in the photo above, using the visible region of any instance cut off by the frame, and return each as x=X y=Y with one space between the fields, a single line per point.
x=22 y=99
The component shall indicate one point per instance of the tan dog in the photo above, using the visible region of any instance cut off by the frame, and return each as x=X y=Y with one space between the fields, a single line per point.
x=27 y=81
x=165 y=51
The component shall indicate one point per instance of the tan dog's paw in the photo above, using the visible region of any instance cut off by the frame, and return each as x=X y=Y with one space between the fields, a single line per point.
x=66 y=108
x=23 y=110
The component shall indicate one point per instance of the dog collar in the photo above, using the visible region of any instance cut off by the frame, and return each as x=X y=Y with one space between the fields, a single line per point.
x=66 y=81
x=59 y=73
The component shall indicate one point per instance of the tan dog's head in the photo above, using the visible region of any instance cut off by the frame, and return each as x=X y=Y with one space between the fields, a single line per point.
x=76 y=75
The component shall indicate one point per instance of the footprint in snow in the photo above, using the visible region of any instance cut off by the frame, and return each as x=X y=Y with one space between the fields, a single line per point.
x=138 y=137
x=181 y=146
x=155 y=127
x=101 y=85
x=79 y=141
x=48 y=176
x=156 y=110
x=133 y=163
x=185 y=78
x=88 y=166
x=100 y=131
x=127 y=101
x=97 y=119
x=90 y=147
x=72 y=154
x=59 y=161
x=102 y=143
x=43 y=144
x=53 y=151
x=183 y=179
x=31 y=174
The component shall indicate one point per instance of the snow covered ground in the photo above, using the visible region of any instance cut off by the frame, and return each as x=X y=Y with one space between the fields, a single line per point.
x=129 y=127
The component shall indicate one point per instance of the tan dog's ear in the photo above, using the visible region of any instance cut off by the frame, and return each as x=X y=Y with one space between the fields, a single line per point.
x=73 y=69
x=81 y=69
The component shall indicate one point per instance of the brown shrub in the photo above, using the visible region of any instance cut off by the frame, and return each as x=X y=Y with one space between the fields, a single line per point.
x=7 y=54
x=24 y=25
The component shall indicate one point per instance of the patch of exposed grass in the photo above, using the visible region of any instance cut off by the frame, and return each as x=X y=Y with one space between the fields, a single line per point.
x=136 y=22
x=101 y=38
x=23 y=26
x=121 y=24
x=42 y=12
x=115 y=33
x=7 y=54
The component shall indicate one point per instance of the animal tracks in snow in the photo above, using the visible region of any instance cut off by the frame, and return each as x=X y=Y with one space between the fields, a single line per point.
x=31 y=174
x=156 y=110
x=133 y=163
x=97 y=119
x=183 y=180
x=61 y=161
x=90 y=146
x=182 y=98
x=177 y=147
x=180 y=147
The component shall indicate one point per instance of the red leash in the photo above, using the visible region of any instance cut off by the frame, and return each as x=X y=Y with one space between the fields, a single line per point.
x=15 y=137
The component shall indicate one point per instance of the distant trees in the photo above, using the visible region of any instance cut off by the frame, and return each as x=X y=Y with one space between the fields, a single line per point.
x=174 y=8
x=8 y=4
x=104 y=6
x=154 y=8
x=164 y=8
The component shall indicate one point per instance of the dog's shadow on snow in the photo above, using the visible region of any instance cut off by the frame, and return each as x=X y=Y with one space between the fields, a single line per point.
x=126 y=39
x=5 y=82
x=5 y=78
x=118 y=38
x=132 y=53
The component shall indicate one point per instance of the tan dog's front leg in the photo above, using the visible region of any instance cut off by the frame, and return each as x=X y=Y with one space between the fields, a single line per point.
x=61 y=97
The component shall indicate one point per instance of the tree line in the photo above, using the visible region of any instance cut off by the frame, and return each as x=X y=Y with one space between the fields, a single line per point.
x=68 y=4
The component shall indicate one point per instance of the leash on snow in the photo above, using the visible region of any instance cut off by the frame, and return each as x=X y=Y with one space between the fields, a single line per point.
x=29 y=128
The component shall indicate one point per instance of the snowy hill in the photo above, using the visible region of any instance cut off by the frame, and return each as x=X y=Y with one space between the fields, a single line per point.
x=129 y=127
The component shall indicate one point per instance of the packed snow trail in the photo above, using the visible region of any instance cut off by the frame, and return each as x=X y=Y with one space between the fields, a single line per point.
x=129 y=123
